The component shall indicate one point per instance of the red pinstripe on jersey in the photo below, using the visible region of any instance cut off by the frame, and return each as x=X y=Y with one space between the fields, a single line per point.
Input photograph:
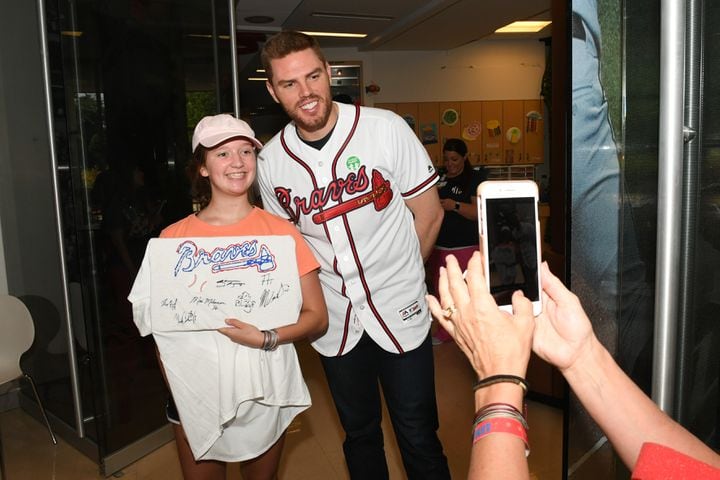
x=348 y=232
x=421 y=186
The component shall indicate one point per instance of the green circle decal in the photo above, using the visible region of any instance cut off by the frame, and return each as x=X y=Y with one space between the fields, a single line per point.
x=450 y=117
x=352 y=163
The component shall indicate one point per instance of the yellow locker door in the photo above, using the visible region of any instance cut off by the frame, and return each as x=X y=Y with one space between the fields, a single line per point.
x=387 y=106
x=409 y=111
x=471 y=130
x=513 y=131
x=534 y=131
x=492 y=132
x=428 y=124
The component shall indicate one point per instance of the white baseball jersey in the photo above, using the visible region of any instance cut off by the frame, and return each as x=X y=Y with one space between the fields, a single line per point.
x=348 y=200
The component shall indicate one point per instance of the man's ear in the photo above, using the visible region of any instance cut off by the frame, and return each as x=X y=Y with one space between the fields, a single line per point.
x=271 y=90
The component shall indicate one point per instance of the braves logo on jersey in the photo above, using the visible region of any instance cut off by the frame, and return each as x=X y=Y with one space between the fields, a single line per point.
x=379 y=197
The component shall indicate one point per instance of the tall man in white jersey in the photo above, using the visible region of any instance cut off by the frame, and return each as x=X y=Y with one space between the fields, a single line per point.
x=360 y=187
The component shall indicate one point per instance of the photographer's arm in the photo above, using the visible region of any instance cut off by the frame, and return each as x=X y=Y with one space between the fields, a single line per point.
x=564 y=338
x=496 y=343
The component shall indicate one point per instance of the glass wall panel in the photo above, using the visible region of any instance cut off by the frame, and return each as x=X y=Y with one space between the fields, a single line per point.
x=699 y=335
x=619 y=169
x=614 y=183
x=641 y=65
x=130 y=80
x=697 y=343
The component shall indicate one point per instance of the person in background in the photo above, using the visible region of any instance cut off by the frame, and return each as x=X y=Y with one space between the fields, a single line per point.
x=361 y=188
x=459 y=231
x=222 y=171
x=498 y=346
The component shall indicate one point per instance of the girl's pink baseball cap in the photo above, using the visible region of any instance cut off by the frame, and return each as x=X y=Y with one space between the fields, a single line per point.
x=215 y=129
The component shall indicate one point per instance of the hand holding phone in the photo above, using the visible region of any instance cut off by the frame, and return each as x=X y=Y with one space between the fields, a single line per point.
x=510 y=237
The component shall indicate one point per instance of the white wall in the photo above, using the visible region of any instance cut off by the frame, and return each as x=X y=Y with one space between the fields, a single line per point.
x=3 y=180
x=483 y=70
x=31 y=263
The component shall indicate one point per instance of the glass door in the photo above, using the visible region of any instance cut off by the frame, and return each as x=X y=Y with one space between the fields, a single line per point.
x=616 y=176
x=129 y=81
x=697 y=392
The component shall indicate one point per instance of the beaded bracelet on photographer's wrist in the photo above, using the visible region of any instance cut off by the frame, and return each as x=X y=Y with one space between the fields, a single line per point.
x=494 y=379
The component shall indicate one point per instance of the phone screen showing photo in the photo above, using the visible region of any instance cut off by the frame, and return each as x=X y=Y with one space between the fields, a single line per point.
x=512 y=247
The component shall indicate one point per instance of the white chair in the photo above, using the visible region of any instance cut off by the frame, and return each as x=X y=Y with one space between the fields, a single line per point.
x=18 y=334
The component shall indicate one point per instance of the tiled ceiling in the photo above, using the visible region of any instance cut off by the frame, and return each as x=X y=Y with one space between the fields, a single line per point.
x=395 y=24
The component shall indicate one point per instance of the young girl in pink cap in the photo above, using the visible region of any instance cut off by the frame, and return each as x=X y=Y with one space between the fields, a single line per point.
x=222 y=172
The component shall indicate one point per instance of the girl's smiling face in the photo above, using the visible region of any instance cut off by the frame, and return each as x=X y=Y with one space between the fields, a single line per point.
x=230 y=167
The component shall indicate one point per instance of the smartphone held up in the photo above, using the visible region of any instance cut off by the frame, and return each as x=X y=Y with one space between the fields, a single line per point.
x=510 y=236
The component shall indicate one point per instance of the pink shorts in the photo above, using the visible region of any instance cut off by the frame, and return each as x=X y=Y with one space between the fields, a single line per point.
x=437 y=260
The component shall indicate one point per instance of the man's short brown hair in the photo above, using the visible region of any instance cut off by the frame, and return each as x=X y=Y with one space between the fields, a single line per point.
x=284 y=43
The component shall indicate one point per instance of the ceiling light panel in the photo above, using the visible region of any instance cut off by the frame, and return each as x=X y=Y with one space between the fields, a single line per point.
x=523 y=27
x=352 y=16
x=335 y=34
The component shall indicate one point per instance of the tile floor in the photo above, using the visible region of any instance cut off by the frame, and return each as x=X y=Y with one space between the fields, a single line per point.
x=314 y=443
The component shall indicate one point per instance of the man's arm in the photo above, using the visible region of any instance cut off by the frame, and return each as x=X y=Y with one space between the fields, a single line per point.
x=428 y=215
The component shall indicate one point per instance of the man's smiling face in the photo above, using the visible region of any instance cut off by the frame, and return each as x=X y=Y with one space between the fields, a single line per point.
x=301 y=84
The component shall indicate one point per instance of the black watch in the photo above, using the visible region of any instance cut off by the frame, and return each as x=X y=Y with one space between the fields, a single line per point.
x=457 y=206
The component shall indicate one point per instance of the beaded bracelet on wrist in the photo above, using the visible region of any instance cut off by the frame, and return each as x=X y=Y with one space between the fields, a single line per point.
x=494 y=379
x=501 y=410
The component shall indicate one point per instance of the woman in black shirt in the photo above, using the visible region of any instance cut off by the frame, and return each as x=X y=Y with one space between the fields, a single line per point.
x=459 y=231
